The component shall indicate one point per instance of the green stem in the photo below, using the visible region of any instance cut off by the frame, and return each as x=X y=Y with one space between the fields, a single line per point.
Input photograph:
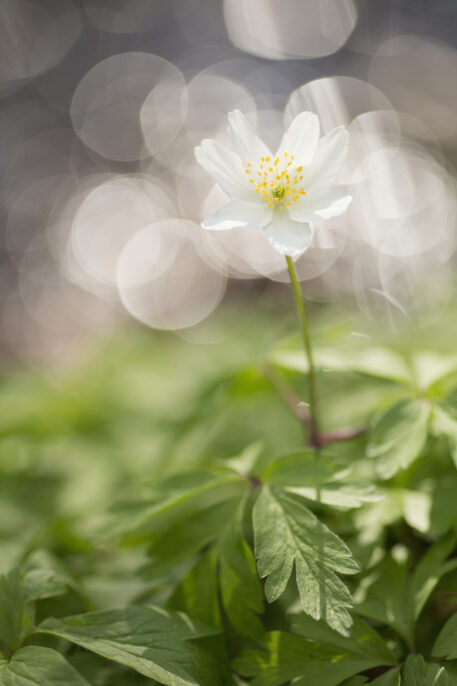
x=314 y=423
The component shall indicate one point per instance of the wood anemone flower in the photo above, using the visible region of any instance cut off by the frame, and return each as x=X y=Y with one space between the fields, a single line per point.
x=284 y=193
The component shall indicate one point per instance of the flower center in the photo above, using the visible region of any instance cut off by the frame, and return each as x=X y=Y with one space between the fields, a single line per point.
x=277 y=182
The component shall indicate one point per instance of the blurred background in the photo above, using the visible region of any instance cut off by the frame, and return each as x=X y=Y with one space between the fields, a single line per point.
x=102 y=103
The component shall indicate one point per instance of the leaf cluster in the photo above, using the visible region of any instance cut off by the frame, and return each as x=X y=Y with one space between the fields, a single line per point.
x=204 y=543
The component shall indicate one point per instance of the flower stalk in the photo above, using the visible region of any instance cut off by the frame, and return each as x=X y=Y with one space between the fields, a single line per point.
x=313 y=401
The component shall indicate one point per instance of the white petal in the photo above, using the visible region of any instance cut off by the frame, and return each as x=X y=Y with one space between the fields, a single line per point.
x=330 y=155
x=248 y=145
x=288 y=237
x=238 y=213
x=322 y=204
x=301 y=139
x=224 y=166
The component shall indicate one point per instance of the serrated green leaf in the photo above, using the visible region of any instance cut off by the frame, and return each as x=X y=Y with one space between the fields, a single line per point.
x=416 y=672
x=287 y=533
x=159 y=644
x=197 y=593
x=37 y=666
x=320 y=480
x=398 y=436
x=446 y=644
x=364 y=640
x=289 y=657
x=241 y=591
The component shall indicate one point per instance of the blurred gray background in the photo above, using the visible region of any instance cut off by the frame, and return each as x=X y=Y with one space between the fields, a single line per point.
x=103 y=101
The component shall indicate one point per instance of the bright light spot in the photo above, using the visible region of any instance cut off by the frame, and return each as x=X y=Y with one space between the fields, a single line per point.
x=178 y=297
x=107 y=105
x=290 y=28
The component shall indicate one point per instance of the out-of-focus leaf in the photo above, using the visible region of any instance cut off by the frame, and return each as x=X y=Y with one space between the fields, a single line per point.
x=320 y=480
x=418 y=672
x=287 y=533
x=159 y=644
x=181 y=541
x=377 y=362
x=172 y=501
x=446 y=643
x=445 y=420
x=431 y=567
x=364 y=640
x=16 y=610
x=241 y=590
x=37 y=666
x=385 y=596
x=287 y=657
x=41 y=577
x=433 y=370
x=398 y=436
x=390 y=678
x=197 y=593
x=358 y=680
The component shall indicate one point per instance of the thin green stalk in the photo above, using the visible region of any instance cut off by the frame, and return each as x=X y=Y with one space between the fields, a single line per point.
x=314 y=423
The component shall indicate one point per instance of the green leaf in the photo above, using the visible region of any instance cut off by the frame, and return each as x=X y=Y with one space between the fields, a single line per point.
x=37 y=666
x=152 y=641
x=432 y=566
x=445 y=420
x=44 y=577
x=16 y=610
x=417 y=672
x=398 y=436
x=432 y=370
x=446 y=643
x=385 y=597
x=241 y=591
x=172 y=501
x=179 y=542
x=390 y=678
x=41 y=577
x=320 y=480
x=377 y=362
x=197 y=593
x=289 y=657
x=364 y=640
x=286 y=532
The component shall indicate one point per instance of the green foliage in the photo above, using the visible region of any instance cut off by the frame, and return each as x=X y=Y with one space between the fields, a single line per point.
x=36 y=666
x=156 y=643
x=287 y=533
x=398 y=436
x=172 y=481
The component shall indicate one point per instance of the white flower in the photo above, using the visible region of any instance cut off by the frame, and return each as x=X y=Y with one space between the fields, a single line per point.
x=284 y=193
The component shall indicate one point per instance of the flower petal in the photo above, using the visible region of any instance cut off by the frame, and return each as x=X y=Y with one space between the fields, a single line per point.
x=330 y=155
x=288 y=237
x=225 y=167
x=248 y=145
x=239 y=213
x=301 y=139
x=321 y=204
